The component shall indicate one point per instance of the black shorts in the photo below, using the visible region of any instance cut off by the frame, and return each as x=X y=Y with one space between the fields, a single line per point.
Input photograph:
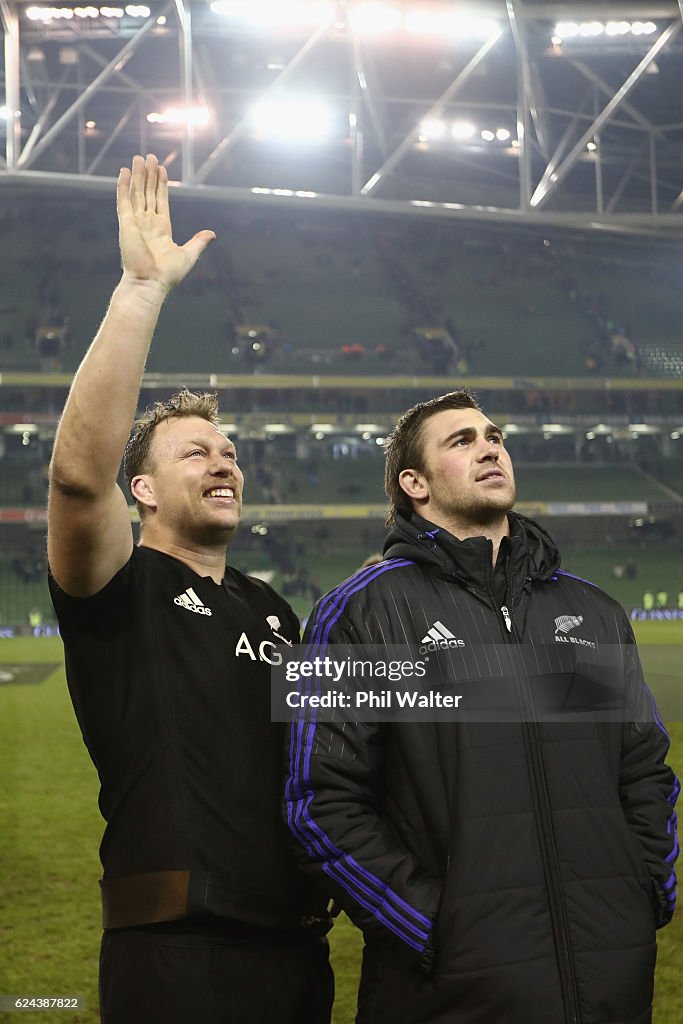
x=166 y=976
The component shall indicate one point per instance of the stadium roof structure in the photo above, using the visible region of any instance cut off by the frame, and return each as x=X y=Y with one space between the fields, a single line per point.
x=512 y=110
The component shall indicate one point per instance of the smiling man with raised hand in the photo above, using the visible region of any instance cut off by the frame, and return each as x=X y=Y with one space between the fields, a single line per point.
x=168 y=653
x=509 y=871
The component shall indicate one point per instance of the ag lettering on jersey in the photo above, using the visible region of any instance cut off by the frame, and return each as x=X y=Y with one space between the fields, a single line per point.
x=266 y=650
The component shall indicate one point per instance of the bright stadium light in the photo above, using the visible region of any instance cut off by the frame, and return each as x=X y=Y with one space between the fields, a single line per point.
x=449 y=24
x=375 y=19
x=49 y=13
x=292 y=119
x=502 y=134
x=617 y=28
x=275 y=13
x=197 y=116
x=432 y=129
x=592 y=28
x=487 y=135
x=462 y=130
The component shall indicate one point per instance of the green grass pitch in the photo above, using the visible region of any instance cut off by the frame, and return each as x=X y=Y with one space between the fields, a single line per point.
x=50 y=832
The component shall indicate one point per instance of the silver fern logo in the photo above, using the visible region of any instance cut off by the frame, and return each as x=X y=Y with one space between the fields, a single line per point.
x=566 y=623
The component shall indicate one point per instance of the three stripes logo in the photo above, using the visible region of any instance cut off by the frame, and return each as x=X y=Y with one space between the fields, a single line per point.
x=191 y=602
x=439 y=638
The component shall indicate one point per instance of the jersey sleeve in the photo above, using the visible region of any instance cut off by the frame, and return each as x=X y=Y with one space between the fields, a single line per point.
x=648 y=787
x=97 y=614
x=332 y=807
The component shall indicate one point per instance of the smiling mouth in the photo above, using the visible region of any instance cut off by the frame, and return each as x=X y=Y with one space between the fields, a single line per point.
x=225 y=493
x=493 y=474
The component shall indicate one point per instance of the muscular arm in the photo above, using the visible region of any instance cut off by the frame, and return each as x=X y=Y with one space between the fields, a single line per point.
x=89 y=533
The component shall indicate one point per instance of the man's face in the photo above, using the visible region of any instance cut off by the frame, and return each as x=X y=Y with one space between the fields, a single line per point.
x=195 y=484
x=468 y=480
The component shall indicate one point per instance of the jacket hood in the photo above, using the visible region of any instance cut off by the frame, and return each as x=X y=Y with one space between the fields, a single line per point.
x=531 y=551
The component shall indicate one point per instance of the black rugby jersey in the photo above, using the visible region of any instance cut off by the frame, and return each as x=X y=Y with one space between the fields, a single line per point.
x=169 y=675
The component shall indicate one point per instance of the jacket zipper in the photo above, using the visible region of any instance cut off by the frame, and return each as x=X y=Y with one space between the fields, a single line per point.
x=549 y=854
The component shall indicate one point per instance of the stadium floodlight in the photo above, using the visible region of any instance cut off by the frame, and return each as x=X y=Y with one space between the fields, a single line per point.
x=487 y=135
x=449 y=24
x=112 y=12
x=138 y=11
x=49 y=13
x=432 y=129
x=375 y=19
x=299 y=119
x=462 y=130
x=617 y=28
x=268 y=14
x=86 y=12
x=502 y=134
x=591 y=28
x=199 y=117
x=567 y=29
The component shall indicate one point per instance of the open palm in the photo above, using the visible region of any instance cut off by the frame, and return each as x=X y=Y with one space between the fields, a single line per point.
x=148 y=252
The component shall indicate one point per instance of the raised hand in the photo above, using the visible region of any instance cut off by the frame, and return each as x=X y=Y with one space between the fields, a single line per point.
x=148 y=252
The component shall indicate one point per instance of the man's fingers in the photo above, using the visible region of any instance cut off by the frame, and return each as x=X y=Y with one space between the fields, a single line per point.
x=122 y=192
x=137 y=185
x=198 y=243
x=162 y=193
x=151 y=175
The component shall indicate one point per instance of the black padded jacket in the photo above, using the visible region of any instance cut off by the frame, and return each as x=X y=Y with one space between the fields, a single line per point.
x=507 y=872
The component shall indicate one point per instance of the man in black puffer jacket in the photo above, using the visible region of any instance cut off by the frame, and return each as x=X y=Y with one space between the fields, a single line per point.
x=502 y=873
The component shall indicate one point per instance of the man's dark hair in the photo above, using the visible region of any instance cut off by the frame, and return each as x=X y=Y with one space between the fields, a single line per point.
x=404 y=447
x=136 y=458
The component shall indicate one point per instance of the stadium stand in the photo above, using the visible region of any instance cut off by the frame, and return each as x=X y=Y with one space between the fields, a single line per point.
x=511 y=301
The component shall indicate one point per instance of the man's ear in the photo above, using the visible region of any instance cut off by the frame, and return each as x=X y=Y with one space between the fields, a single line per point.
x=142 y=489
x=414 y=484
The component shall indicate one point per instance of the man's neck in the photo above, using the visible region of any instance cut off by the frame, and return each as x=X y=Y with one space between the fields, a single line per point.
x=463 y=530
x=204 y=560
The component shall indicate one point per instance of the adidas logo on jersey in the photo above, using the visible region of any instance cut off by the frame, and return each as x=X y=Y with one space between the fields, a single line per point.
x=439 y=638
x=193 y=603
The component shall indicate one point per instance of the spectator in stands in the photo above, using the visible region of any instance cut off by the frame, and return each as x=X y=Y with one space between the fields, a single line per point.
x=509 y=872
x=168 y=652
x=35 y=617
